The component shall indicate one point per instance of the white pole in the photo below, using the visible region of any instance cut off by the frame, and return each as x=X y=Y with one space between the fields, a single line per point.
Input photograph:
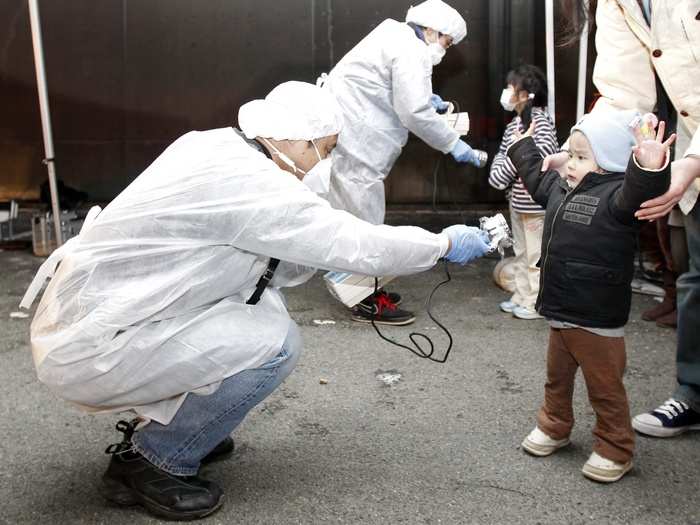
x=549 y=22
x=582 y=65
x=45 y=115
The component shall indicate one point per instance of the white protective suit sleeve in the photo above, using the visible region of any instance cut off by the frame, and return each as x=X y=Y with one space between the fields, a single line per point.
x=411 y=78
x=311 y=233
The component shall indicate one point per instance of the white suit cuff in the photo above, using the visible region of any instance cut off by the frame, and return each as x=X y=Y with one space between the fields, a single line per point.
x=444 y=244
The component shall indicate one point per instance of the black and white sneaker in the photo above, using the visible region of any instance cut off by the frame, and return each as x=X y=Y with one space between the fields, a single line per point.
x=392 y=296
x=381 y=308
x=670 y=419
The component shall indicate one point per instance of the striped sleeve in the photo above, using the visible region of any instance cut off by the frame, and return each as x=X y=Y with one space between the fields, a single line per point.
x=545 y=133
x=503 y=174
x=545 y=137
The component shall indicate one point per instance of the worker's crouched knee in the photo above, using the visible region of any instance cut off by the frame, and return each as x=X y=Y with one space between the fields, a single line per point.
x=292 y=344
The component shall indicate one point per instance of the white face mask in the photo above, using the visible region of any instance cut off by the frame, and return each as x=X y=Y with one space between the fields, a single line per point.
x=318 y=178
x=436 y=52
x=506 y=97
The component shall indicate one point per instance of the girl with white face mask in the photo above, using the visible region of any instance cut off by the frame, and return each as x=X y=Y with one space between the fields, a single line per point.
x=525 y=94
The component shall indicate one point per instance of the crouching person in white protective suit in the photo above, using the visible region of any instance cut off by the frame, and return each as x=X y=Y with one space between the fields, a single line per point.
x=168 y=303
x=384 y=89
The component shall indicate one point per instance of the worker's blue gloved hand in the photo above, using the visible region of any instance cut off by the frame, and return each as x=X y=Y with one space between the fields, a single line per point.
x=439 y=104
x=467 y=243
x=463 y=152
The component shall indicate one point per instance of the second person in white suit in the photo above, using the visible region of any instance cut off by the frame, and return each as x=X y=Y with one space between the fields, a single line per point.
x=384 y=89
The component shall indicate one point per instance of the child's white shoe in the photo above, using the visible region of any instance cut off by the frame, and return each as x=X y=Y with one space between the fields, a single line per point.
x=604 y=470
x=540 y=444
x=507 y=306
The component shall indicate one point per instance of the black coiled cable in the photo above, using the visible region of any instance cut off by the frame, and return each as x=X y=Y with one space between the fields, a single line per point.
x=413 y=336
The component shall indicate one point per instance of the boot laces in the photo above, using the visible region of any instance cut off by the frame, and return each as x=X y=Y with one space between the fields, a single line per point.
x=127 y=428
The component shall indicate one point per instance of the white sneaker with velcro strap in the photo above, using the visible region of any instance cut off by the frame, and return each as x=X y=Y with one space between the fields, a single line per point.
x=604 y=470
x=540 y=444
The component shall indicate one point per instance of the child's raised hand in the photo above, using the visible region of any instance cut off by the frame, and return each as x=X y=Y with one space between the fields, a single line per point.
x=651 y=152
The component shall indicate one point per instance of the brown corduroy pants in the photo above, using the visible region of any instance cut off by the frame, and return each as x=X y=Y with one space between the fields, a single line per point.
x=602 y=361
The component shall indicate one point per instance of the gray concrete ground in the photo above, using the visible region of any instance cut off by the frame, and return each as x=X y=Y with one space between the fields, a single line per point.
x=439 y=446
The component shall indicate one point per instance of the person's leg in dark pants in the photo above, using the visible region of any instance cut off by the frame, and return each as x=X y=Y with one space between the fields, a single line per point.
x=157 y=466
x=681 y=412
x=202 y=422
x=688 y=351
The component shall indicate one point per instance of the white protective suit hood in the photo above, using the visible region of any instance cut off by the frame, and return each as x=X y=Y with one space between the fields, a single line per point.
x=383 y=87
x=291 y=111
x=437 y=15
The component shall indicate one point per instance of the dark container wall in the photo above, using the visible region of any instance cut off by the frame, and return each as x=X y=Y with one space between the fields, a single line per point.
x=127 y=77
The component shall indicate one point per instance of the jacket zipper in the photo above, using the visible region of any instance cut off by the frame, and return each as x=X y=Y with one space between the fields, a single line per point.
x=551 y=234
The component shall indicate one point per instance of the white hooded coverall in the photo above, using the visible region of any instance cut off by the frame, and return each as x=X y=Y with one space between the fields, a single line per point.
x=148 y=302
x=383 y=87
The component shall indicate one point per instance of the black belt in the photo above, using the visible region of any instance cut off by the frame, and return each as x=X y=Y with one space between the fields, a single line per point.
x=263 y=281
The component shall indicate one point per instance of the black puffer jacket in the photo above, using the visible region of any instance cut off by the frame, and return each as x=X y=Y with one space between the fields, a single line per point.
x=589 y=239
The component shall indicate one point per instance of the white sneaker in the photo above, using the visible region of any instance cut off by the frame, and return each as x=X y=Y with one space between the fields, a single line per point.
x=523 y=312
x=507 y=306
x=540 y=444
x=604 y=470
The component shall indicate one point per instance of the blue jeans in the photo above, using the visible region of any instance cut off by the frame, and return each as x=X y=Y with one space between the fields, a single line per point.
x=202 y=422
x=688 y=286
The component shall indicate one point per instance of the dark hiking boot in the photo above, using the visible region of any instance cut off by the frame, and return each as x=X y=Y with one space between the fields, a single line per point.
x=670 y=320
x=666 y=306
x=132 y=480
x=663 y=308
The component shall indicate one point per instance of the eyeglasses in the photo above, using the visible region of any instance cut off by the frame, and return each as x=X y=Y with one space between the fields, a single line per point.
x=448 y=40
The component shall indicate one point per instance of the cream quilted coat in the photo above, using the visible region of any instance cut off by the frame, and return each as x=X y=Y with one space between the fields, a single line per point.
x=629 y=51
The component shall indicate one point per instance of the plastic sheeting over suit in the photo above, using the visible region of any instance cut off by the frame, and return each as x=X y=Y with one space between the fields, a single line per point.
x=148 y=303
x=383 y=86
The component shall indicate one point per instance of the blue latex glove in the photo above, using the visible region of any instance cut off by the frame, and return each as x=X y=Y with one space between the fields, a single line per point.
x=463 y=152
x=439 y=104
x=468 y=243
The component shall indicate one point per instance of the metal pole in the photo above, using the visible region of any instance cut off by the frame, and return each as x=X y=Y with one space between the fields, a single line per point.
x=45 y=115
x=582 y=72
x=549 y=21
